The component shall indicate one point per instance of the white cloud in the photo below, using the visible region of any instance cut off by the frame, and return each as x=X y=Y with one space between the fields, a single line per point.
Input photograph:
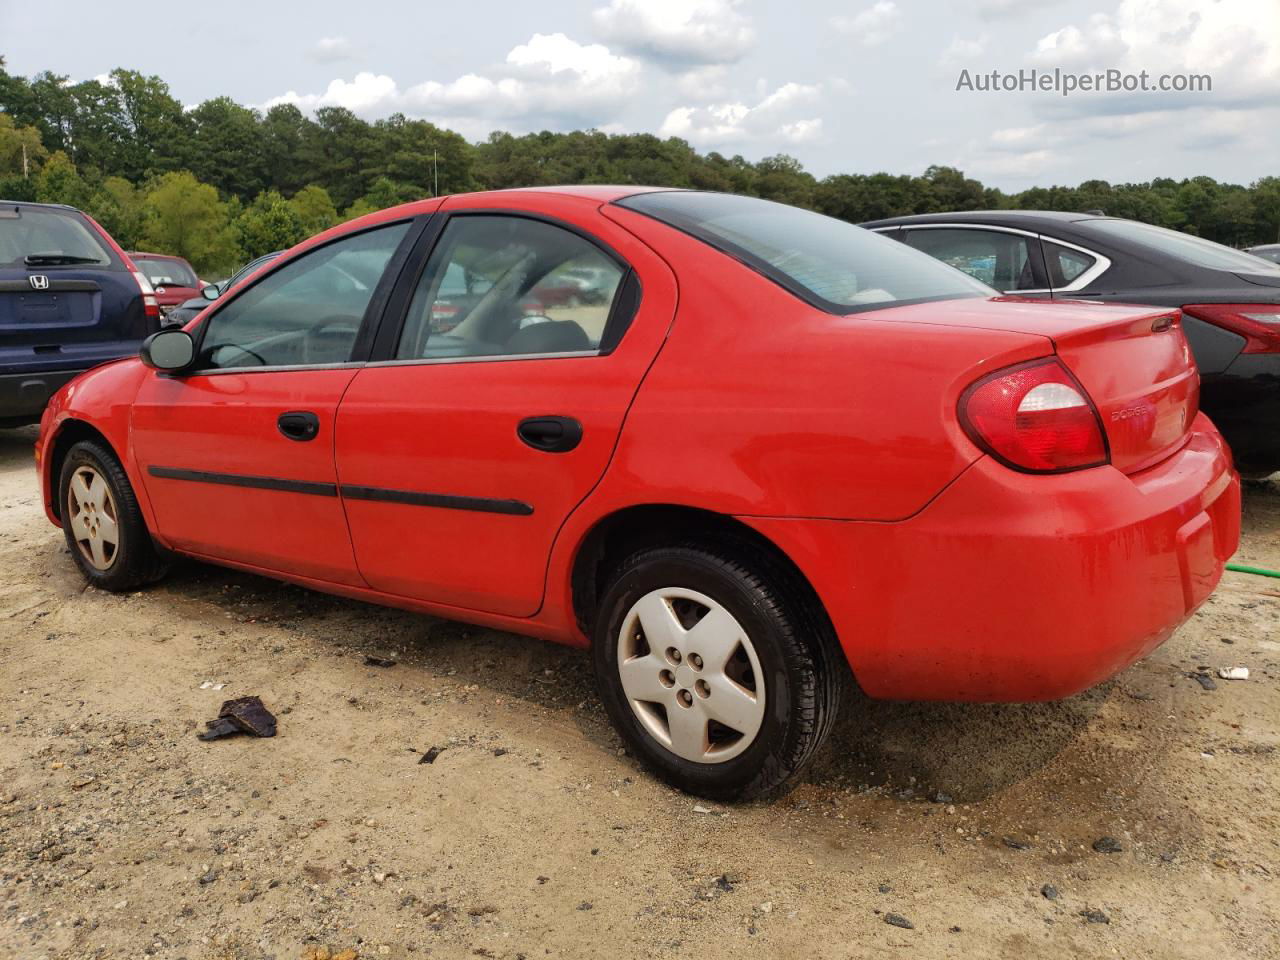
x=872 y=26
x=677 y=32
x=331 y=50
x=1009 y=9
x=1237 y=42
x=735 y=123
x=963 y=49
x=549 y=81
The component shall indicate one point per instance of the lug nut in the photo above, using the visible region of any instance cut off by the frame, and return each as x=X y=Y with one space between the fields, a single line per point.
x=703 y=689
x=667 y=678
x=685 y=698
x=673 y=654
x=695 y=661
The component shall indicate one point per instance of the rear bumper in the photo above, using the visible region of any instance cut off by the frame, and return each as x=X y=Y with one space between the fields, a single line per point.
x=23 y=395
x=1010 y=587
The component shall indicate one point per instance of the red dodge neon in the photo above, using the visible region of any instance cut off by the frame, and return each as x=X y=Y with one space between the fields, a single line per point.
x=758 y=448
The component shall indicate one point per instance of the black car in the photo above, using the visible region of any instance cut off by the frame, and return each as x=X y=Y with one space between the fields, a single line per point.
x=70 y=299
x=1230 y=300
x=185 y=311
x=1267 y=251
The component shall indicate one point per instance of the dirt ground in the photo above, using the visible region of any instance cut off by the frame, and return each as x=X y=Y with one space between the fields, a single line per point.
x=533 y=834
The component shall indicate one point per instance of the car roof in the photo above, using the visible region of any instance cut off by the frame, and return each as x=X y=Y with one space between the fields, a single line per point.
x=1263 y=246
x=989 y=216
x=158 y=256
x=45 y=206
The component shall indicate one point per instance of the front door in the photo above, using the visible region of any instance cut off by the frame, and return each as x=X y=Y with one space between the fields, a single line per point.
x=497 y=406
x=237 y=455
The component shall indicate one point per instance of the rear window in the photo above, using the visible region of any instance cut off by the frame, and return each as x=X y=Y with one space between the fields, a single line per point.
x=47 y=237
x=163 y=272
x=826 y=262
x=1183 y=246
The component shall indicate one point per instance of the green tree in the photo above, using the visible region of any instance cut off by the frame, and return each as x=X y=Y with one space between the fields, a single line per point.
x=314 y=209
x=60 y=182
x=226 y=146
x=19 y=146
x=119 y=206
x=268 y=224
x=186 y=218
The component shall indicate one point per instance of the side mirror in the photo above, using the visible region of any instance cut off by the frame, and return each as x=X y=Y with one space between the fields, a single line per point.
x=170 y=350
x=211 y=292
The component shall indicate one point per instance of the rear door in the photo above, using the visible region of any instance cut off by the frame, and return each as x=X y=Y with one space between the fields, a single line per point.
x=1007 y=259
x=237 y=455
x=463 y=447
x=67 y=298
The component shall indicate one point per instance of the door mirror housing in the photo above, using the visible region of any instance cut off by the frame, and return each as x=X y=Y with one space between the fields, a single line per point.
x=168 y=350
x=211 y=292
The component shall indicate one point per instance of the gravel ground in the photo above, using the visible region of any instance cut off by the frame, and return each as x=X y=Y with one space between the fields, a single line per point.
x=922 y=831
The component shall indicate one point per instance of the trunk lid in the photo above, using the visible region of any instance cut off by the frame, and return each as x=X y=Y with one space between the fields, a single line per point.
x=1133 y=362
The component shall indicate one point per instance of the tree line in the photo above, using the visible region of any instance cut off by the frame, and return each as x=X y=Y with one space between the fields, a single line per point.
x=222 y=182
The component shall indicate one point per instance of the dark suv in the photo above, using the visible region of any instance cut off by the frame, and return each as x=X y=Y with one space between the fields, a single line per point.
x=70 y=299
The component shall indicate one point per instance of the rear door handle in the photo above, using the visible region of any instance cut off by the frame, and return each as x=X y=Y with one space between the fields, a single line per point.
x=300 y=425
x=550 y=434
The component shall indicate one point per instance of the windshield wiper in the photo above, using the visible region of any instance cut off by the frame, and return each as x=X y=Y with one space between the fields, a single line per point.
x=54 y=259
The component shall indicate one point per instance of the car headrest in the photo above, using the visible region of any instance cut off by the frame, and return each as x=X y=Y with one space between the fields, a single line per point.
x=550 y=336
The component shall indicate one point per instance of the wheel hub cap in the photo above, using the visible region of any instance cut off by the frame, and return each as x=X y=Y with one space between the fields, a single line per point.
x=691 y=675
x=92 y=518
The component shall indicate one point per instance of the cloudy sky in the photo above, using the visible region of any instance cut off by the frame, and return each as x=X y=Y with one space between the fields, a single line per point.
x=862 y=86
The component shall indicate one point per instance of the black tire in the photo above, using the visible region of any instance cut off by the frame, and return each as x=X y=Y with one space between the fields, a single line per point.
x=797 y=655
x=135 y=560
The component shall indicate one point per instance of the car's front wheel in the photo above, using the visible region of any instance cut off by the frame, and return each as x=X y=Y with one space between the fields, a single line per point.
x=717 y=678
x=104 y=528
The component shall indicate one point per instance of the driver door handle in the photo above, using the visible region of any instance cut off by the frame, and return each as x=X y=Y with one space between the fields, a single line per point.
x=300 y=425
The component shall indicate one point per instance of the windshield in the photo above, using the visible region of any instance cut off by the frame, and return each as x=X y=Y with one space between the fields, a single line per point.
x=1183 y=246
x=48 y=237
x=827 y=262
x=163 y=272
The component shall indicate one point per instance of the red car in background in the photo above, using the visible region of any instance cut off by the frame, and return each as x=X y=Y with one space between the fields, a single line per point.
x=760 y=449
x=172 y=278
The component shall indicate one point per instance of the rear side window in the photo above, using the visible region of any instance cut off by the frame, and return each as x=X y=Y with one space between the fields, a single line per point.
x=308 y=312
x=500 y=285
x=49 y=237
x=998 y=259
x=1194 y=250
x=163 y=272
x=826 y=262
x=1065 y=264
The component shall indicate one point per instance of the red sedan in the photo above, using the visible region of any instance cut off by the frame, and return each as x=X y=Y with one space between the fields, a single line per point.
x=172 y=278
x=765 y=451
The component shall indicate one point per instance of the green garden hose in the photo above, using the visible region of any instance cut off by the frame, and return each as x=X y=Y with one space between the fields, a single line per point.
x=1256 y=571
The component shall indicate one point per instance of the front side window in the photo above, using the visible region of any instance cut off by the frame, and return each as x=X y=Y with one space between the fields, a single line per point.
x=501 y=285
x=1065 y=264
x=829 y=263
x=1001 y=260
x=308 y=312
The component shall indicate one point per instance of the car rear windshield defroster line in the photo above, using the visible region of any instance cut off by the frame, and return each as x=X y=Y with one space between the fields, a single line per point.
x=831 y=264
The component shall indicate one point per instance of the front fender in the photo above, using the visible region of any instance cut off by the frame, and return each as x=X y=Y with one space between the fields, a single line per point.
x=98 y=401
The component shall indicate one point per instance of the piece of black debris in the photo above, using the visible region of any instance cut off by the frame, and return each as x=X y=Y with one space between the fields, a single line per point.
x=884 y=888
x=940 y=797
x=371 y=661
x=1094 y=916
x=955 y=930
x=430 y=755
x=585 y=905
x=1049 y=892
x=1226 y=640
x=499 y=751
x=245 y=715
x=1013 y=843
x=898 y=920
x=724 y=883
x=1107 y=845
x=1204 y=680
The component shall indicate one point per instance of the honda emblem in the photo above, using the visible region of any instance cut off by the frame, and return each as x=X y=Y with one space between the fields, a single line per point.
x=39 y=282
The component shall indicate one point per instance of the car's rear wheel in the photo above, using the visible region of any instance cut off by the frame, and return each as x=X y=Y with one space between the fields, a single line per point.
x=719 y=679
x=103 y=525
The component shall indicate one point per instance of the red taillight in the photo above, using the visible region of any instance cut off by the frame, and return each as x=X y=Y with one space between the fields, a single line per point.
x=1035 y=417
x=150 y=305
x=1258 y=323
